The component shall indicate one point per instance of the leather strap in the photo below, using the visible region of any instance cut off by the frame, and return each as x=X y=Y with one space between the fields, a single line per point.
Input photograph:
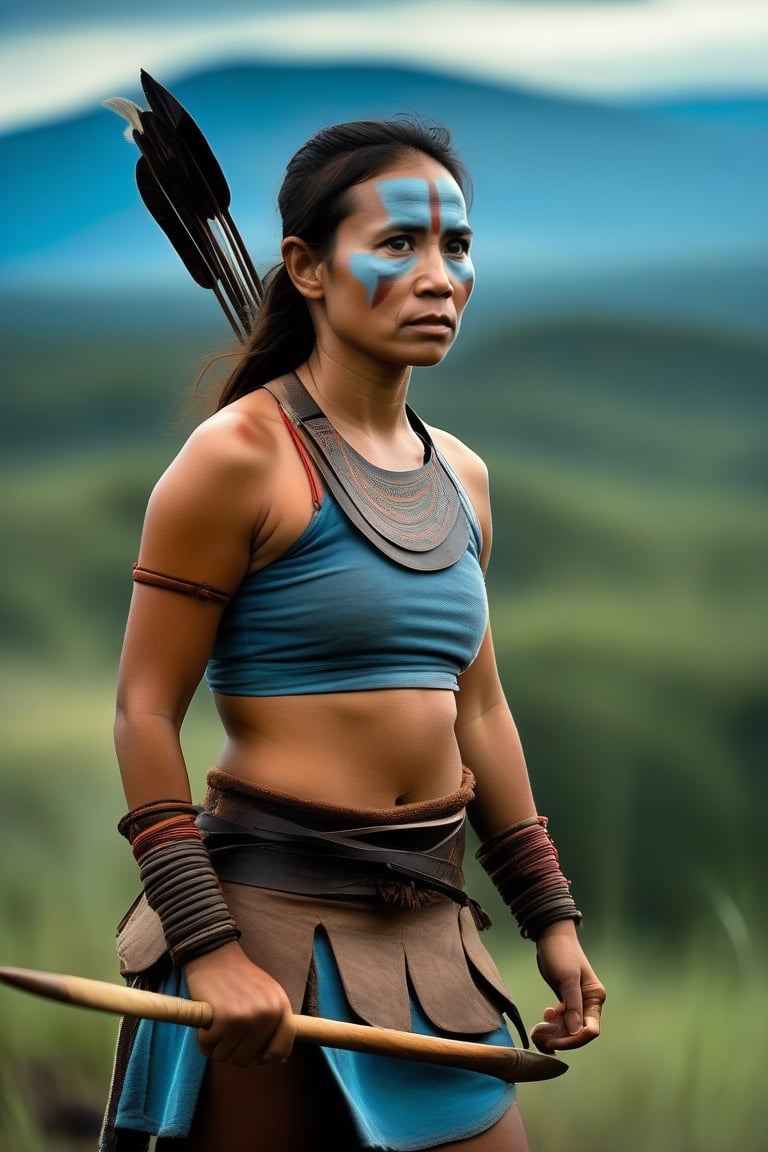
x=275 y=853
x=273 y=830
x=143 y=575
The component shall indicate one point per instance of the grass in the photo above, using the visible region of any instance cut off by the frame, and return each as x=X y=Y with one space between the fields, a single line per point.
x=67 y=879
x=677 y=1068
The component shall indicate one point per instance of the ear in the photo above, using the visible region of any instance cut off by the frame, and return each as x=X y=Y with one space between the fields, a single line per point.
x=302 y=264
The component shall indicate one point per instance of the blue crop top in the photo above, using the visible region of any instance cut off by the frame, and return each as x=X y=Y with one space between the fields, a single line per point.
x=332 y=614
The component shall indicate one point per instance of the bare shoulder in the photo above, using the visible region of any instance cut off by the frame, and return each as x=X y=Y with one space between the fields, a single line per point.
x=466 y=463
x=472 y=471
x=242 y=435
x=209 y=505
x=232 y=446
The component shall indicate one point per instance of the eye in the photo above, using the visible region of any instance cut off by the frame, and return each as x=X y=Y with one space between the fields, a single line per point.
x=399 y=244
x=457 y=246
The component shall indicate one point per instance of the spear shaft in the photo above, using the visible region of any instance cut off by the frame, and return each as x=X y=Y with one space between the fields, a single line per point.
x=513 y=1065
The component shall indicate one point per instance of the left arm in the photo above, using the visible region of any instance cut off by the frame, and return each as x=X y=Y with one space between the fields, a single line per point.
x=490 y=747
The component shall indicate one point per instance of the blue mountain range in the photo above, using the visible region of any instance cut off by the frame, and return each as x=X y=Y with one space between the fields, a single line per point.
x=583 y=199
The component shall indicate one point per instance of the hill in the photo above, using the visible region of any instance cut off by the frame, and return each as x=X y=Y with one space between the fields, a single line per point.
x=582 y=198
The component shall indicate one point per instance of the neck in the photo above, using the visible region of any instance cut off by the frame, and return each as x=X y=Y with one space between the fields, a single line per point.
x=366 y=407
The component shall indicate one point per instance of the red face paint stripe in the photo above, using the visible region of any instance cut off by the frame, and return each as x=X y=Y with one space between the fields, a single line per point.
x=434 y=208
x=383 y=288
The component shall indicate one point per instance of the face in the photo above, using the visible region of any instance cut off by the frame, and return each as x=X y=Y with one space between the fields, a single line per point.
x=400 y=274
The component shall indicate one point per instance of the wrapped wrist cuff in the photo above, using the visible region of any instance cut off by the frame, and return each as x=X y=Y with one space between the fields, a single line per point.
x=178 y=878
x=523 y=865
x=148 y=816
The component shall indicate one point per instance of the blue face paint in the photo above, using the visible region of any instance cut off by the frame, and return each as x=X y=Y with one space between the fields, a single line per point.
x=378 y=273
x=433 y=206
x=453 y=215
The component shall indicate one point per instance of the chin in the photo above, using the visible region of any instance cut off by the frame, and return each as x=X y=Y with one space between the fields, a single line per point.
x=429 y=357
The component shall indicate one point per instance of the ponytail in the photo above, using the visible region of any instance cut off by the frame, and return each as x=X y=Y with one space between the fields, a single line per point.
x=283 y=337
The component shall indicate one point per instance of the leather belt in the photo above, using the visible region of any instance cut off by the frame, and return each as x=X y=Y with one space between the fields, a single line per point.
x=271 y=852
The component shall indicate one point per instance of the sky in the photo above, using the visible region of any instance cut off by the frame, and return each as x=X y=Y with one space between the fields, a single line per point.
x=58 y=57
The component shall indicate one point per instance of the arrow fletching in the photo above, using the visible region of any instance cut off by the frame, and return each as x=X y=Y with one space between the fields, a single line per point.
x=182 y=185
x=168 y=109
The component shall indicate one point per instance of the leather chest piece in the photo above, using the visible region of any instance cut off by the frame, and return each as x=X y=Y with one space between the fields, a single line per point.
x=415 y=517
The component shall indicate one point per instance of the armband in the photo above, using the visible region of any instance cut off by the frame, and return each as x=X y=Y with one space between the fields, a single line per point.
x=524 y=866
x=177 y=584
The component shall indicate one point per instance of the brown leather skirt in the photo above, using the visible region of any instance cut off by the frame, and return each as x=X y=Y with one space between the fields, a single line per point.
x=385 y=953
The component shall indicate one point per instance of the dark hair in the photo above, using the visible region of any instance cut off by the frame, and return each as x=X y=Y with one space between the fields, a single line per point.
x=313 y=201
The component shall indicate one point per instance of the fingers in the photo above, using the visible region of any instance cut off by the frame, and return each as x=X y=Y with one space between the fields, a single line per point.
x=593 y=1008
x=570 y=991
x=252 y=1018
x=249 y=1030
x=546 y=1037
x=576 y=1020
x=554 y=1034
x=281 y=1042
x=248 y=1039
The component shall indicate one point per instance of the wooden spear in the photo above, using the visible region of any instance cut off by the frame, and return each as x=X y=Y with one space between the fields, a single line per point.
x=513 y=1065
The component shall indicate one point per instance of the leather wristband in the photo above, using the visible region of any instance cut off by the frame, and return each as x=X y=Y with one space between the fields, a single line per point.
x=179 y=880
x=523 y=864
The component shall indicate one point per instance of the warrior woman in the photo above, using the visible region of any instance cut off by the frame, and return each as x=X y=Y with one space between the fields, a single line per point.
x=318 y=554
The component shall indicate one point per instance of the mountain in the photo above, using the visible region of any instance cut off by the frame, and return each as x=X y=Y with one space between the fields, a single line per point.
x=586 y=199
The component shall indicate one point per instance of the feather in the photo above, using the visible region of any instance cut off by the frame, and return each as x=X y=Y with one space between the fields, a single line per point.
x=162 y=211
x=127 y=109
x=168 y=167
x=184 y=188
x=208 y=169
x=168 y=110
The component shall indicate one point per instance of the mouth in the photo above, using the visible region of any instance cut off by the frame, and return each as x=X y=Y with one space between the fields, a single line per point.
x=432 y=322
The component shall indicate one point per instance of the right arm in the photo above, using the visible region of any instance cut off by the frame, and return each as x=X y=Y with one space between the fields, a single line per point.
x=202 y=524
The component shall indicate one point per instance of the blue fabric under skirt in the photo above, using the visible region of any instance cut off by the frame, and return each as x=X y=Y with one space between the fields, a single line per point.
x=395 y=1104
x=403 y=1104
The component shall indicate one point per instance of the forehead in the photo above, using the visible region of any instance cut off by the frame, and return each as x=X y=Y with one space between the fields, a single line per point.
x=414 y=194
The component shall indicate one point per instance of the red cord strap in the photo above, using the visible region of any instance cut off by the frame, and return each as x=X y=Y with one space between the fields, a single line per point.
x=305 y=459
x=178 y=878
x=523 y=864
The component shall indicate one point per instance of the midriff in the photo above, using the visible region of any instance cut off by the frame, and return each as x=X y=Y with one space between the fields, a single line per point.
x=366 y=749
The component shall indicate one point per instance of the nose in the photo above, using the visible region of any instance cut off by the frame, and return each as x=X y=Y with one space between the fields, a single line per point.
x=432 y=274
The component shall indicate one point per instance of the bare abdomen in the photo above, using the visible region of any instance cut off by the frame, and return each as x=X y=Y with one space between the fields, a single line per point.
x=374 y=748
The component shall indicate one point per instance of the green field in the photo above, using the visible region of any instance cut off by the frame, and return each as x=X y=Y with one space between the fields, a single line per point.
x=628 y=588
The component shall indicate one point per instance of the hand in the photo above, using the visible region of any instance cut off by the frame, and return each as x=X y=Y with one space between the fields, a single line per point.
x=252 y=1017
x=575 y=1021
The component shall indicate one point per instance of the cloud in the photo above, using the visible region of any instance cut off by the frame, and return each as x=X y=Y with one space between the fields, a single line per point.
x=596 y=50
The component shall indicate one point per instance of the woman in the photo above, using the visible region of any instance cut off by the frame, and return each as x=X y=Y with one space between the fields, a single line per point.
x=319 y=555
